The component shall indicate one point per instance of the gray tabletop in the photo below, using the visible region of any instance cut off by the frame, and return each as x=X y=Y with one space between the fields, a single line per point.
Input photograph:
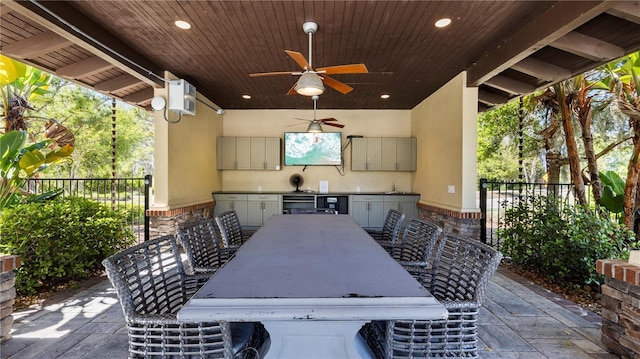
x=303 y=256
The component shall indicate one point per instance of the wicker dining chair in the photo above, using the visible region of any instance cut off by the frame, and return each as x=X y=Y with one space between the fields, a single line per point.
x=152 y=286
x=204 y=251
x=415 y=249
x=230 y=229
x=387 y=237
x=461 y=271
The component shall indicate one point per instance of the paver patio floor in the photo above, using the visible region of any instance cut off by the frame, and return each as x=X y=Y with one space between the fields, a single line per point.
x=518 y=320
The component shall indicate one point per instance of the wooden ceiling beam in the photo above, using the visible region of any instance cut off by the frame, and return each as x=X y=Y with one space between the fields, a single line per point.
x=117 y=83
x=588 y=47
x=37 y=45
x=57 y=15
x=562 y=18
x=510 y=85
x=628 y=10
x=140 y=96
x=541 y=69
x=490 y=98
x=483 y=108
x=84 y=68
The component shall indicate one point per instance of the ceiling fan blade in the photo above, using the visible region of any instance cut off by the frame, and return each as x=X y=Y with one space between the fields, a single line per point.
x=327 y=119
x=299 y=58
x=260 y=74
x=302 y=119
x=292 y=90
x=333 y=124
x=345 y=69
x=336 y=85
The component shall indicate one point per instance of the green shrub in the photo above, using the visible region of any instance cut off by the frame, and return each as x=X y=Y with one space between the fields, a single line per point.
x=61 y=240
x=562 y=242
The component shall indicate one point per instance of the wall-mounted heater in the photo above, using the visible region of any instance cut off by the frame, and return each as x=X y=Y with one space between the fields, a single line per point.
x=182 y=97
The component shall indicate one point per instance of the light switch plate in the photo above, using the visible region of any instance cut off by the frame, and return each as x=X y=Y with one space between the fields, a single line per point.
x=451 y=189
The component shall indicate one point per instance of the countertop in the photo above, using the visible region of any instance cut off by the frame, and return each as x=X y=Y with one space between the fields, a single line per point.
x=304 y=193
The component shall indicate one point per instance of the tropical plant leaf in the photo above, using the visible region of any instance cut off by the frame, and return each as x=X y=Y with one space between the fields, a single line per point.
x=612 y=192
x=613 y=180
x=10 y=70
x=45 y=196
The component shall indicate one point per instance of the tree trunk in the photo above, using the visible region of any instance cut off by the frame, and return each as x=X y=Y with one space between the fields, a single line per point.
x=14 y=119
x=572 y=147
x=631 y=184
x=584 y=117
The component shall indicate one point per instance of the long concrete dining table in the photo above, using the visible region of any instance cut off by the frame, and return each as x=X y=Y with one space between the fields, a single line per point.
x=313 y=281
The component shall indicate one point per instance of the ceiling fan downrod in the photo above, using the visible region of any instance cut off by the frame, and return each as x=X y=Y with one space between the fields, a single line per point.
x=310 y=28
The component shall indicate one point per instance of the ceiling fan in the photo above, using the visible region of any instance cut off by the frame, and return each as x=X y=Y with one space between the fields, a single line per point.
x=311 y=81
x=315 y=124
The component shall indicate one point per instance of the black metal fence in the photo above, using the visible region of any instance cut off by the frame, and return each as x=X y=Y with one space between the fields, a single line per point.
x=129 y=194
x=496 y=197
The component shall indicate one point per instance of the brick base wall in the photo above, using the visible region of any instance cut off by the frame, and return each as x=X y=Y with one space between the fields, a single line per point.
x=7 y=294
x=163 y=222
x=620 y=307
x=463 y=223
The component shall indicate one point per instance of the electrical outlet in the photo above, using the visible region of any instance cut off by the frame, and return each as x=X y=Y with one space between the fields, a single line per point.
x=451 y=189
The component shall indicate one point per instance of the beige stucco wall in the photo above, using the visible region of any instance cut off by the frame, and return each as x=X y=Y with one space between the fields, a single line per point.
x=184 y=159
x=273 y=123
x=446 y=127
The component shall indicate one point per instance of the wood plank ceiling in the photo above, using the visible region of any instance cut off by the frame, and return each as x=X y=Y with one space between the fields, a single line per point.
x=509 y=48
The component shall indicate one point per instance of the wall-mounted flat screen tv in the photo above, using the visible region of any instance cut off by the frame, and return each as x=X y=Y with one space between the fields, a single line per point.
x=312 y=149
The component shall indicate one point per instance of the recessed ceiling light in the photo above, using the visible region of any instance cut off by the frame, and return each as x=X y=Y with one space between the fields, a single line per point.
x=246 y=97
x=443 y=22
x=385 y=96
x=183 y=24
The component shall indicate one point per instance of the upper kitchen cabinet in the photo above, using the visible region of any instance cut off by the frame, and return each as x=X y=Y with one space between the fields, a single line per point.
x=248 y=153
x=265 y=153
x=384 y=154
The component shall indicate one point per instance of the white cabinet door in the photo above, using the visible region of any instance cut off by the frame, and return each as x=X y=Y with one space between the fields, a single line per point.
x=368 y=210
x=358 y=154
x=389 y=154
x=406 y=153
x=257 y=153
x=243 y=153
x=374 y=154
x=262 y=206
x=226 y=153
x=383 y=154
x=272 y=153
x=237 y=202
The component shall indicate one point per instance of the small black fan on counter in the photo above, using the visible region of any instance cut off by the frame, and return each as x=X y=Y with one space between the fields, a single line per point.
x=297 y=181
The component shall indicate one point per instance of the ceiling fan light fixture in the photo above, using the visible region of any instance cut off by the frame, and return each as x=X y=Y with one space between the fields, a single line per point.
x=309 y=85
x=314 y=127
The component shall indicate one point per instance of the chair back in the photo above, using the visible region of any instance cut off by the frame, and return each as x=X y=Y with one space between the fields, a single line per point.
x=148 y=277
x=230 y=229
x=202 y=246
x=418 y=241
x=462 y=269
x=391 y=227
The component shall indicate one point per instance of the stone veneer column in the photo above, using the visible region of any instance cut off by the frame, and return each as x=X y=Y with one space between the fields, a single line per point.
x=163 y=222
x=7 y=293
x=620 y=307
x=463 y=223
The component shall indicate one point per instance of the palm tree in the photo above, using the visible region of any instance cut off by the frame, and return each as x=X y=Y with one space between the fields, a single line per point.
x=19 y=160
x=624 y=82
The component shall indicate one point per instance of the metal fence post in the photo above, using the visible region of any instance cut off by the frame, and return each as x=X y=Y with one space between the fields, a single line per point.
x=147 y=195
x=483 y=210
